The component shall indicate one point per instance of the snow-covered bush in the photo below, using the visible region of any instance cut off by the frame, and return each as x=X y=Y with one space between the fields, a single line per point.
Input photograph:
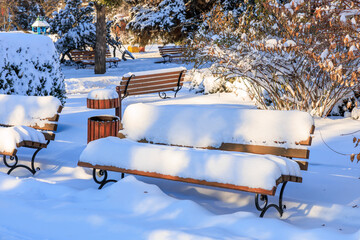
x=29 y=65
x=203 y=81
x=299 y=55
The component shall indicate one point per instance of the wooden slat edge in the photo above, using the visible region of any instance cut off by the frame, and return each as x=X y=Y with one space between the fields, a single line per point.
x=54 y=118
x=46 y=126
x=180 y=179
x=306 y=142
x=258 y=149
x=61 y=107
x=13 y=153
x=49 y=136
x=312 y=130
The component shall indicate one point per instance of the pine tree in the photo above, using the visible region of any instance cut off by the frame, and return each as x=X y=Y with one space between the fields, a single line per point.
x=74 y=27
x=24 y=12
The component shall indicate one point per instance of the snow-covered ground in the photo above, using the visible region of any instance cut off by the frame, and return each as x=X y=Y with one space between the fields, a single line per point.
x=62 y=202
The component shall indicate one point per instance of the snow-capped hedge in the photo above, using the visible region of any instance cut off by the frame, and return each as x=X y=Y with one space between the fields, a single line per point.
x=29 y=65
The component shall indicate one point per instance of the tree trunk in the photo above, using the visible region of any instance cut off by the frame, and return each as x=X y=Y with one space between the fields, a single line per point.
x=100 y=47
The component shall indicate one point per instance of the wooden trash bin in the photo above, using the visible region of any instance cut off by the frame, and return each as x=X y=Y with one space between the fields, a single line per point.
x=103 y=103
x=102 y=126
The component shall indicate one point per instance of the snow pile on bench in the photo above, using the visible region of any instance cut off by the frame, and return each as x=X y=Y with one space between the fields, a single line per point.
x=11 y=137
x=209 y=126
x=241 y=169
x=102 y=94
x=27 y=110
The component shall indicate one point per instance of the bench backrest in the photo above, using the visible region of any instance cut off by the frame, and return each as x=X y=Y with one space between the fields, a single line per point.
x=171 y=50
x=145 y=82
x=38 y=112
x=281 y=133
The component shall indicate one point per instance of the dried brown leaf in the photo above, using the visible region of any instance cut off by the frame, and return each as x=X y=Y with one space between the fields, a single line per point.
x=352 y=157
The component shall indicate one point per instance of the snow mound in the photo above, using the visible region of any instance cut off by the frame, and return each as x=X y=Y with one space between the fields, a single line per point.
x=241 y=169
x=355 y=113
x=204 y=126
x=27 y=110
x=11 y=137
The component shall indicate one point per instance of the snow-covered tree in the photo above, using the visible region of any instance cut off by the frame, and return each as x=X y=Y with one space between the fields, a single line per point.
x=24 y=12
x=175 y=20
x=20 y=14
x=74 y=27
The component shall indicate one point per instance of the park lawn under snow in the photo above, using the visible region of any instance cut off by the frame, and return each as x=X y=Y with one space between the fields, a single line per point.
x=62 y=202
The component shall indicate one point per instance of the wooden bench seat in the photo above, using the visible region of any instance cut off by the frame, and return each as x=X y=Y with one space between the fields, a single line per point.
x=168 y=53
x=83 y=58
x=145 y=82
x=26 y=121
x=241 y=149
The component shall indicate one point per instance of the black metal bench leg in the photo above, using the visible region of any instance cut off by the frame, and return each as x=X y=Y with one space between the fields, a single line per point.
x=16 y=164
x=103 y=175
x=280 y=208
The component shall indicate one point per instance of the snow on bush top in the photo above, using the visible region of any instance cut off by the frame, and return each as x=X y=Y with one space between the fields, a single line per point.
x=242 y=169
x=29 y=65
x=102 y=94
x=27 y=110
x=10 y=137
x=158 y=71
x=204 y=126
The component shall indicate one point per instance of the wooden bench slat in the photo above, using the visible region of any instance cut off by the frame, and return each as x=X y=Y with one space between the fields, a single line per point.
x=49 y=135
x=306 y=142
x=174 y=77
x=13 y=153
x=147 y=91
x=46 y=127
x=136 y=85
x=152 y=75
x=160 y=87
x=284 y=152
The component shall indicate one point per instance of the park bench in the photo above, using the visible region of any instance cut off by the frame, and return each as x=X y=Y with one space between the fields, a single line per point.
x=168 y=53
x=87 y=57
x=26 y=121
x=240 y=149
x=155 y=81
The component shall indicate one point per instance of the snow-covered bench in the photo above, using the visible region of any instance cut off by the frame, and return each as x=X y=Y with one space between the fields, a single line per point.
x=155 y=81
x=83 y=58
x=168 y=53
x=26 y=121
x=241 y=149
